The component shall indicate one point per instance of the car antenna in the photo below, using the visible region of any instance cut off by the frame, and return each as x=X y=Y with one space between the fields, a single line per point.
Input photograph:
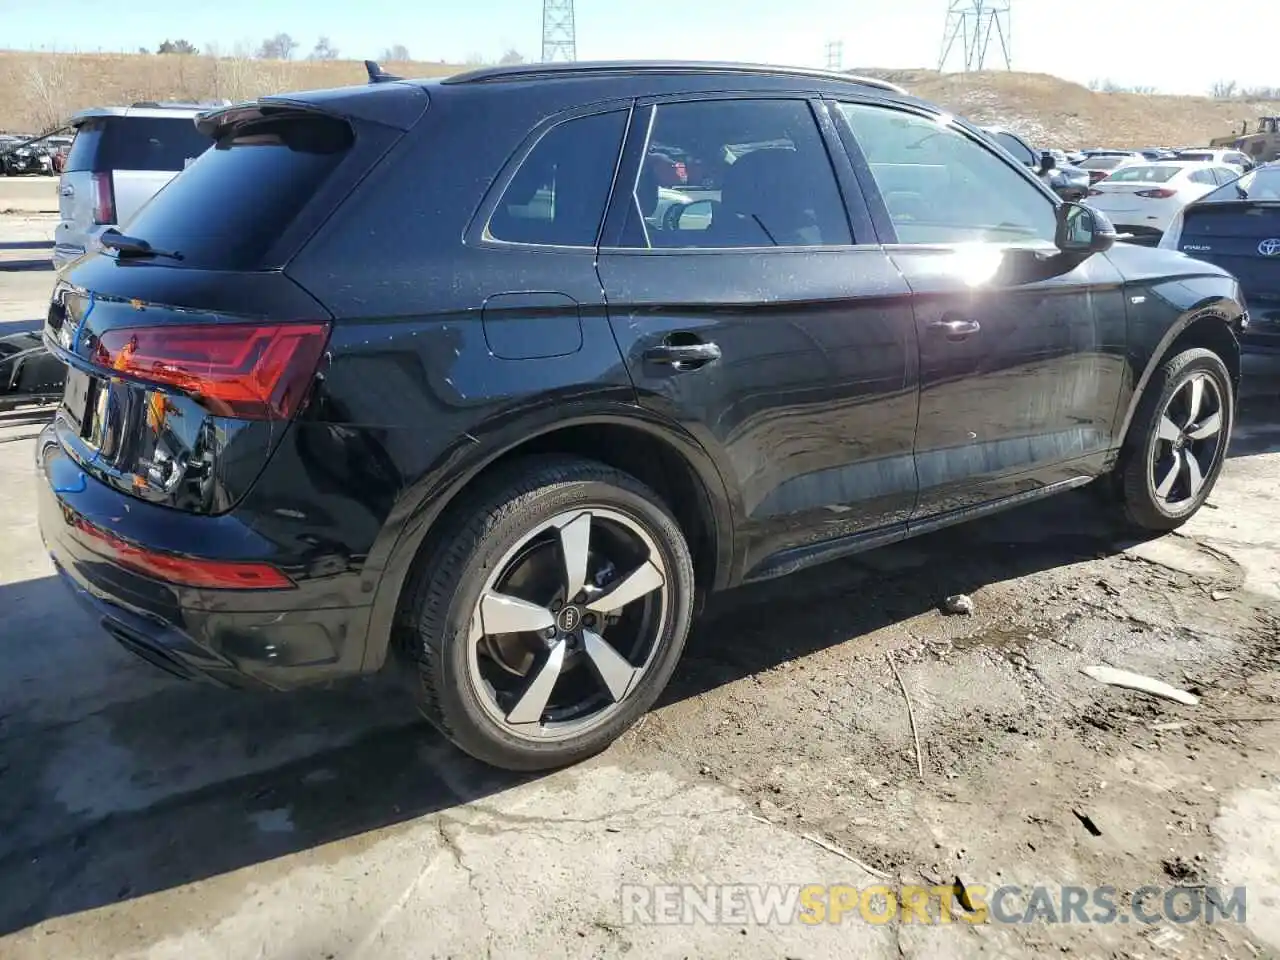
x=377 y=75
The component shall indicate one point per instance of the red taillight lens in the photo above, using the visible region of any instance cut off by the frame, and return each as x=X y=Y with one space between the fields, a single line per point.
x=185 y=571
x=1160 y=193
x=1095 y=193
x=242 y=370
x=104 y=199
x=682 y=172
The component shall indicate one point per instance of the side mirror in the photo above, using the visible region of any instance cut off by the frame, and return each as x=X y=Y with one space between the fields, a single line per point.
x=1083 y=230
x=695 y=215
x=1048 y=162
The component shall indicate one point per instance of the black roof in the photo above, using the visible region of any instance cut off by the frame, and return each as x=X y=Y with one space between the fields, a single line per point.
x=534 y=71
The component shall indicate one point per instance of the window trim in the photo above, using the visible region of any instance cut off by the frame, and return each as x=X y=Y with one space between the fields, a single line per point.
x=476 y=233
x=885 y=230
x=857 y=216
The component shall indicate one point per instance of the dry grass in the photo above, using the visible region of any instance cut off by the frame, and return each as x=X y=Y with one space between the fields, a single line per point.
x=1052 y=112
x=37 y=89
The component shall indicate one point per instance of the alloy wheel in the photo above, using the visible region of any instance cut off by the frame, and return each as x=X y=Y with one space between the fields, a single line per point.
x=1189 y=436
x=568 y=624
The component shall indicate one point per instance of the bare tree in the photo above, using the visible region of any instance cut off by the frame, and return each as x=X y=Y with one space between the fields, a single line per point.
x=46 y=86
x=323 y=50
x=279 y=47
x=511 y=58
x=177 y=46
x=1223 y=90
x=397 y=53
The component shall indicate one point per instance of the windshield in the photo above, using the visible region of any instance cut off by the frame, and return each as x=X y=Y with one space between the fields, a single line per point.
x=1102 y=163
x=1195 y=156
x=1261 y=184
x=1144 y=173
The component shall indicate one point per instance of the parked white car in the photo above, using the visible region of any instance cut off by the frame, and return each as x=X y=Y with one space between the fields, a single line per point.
x=1143 y=198
x=1224 y=158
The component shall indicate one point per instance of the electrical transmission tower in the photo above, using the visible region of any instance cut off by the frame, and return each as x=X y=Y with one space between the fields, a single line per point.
x=559 y=38
x=835 y=55
x=982 y=27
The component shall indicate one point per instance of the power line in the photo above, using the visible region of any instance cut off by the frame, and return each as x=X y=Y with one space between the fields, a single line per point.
x=559 y=36
x=983 y=27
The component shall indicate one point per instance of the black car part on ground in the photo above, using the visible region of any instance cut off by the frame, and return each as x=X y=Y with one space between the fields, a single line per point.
x=29 y=373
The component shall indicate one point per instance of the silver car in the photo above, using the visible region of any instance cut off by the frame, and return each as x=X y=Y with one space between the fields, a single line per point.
x=120 y=158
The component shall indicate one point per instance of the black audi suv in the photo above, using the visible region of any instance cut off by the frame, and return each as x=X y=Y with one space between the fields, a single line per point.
x=437 y=374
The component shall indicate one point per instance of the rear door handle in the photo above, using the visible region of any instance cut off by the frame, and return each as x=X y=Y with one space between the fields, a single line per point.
x=683 y=356
x=956 y=329
x=68 y=191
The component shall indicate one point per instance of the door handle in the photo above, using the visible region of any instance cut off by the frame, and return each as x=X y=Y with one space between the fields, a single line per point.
x=68 y=191
x=683 y=356
x=956 y=329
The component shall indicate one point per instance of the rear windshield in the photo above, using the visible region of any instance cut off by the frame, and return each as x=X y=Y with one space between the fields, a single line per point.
x=1261 y=184
x=226 y=209
x=1101 y=163
x=135 y=143
x=1144 y=173
x=1197 y=156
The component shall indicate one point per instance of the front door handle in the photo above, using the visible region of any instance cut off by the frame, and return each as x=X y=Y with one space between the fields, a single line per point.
x=956 y=329
x=683 y=356
x=68 y=191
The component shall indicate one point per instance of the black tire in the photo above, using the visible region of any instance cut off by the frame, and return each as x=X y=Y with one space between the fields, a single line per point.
x=1143 y=508
x=475 y=536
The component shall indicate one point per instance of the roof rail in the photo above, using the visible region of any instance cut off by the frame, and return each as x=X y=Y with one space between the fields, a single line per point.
x=377 y=74
x=531 y=71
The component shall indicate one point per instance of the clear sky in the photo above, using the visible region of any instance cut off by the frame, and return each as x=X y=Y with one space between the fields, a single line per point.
x=1178 y=46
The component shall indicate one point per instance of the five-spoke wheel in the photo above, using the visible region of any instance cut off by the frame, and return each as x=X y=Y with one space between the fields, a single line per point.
x=1178 y=440
x=553 y=614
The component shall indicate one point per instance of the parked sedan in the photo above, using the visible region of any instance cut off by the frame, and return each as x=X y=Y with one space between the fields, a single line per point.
x=1237 y=227
x=1101 y=165
x=1143 y=198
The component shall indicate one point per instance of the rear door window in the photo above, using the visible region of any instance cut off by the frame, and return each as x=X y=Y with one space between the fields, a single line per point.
x=559 y=194
x=226 y=209
x=136 y=143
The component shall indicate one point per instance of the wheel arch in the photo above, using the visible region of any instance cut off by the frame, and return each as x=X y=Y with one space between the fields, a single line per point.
x=658 y=453
x=1211 y=325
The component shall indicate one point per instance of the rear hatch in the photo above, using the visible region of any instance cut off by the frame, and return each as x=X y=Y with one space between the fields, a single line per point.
x=1237 y=227
x=116 y=164
x=189 y=350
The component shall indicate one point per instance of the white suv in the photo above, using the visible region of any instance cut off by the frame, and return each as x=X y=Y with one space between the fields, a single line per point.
x=120 y=158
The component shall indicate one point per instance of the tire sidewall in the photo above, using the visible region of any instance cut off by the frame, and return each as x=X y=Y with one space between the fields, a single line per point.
x=470 y=725
x=1181 y=368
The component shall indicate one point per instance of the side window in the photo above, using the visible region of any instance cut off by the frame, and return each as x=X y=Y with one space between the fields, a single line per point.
x=558 y=196
x=1226 y=174
x=1203 y=176
x=736 y=173
x=1021 y=152
x=942 y=187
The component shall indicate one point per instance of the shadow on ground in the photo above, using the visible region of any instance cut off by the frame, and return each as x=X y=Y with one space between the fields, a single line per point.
x=180 y=782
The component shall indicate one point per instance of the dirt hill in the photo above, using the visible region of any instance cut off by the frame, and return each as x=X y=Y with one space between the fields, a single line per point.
x=38 y=89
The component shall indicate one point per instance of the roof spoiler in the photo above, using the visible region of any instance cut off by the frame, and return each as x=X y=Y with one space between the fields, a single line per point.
x=377 y=74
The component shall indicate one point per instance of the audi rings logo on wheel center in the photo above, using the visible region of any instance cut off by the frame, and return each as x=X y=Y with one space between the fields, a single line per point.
x=1270 y=248
x=569 y=619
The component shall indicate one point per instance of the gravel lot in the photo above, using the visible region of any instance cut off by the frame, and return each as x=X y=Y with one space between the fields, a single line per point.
x=144 y=817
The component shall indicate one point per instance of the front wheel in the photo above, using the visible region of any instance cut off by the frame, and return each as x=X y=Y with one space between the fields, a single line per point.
x=1178 y=440
x=552 y=615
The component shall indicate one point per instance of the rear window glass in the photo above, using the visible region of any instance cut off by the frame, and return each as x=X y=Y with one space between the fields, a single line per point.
x=1144 y=173
x=227 y=208
x=1204 y=157
x=1101 y=163
x=136 y=143
x=1261 y=184
x=558 y=195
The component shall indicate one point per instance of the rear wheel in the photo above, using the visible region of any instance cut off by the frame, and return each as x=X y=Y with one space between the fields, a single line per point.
x=1178 y=441
x=553 y=615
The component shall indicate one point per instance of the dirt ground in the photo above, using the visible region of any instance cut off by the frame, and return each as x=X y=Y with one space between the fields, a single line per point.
x=143 y=817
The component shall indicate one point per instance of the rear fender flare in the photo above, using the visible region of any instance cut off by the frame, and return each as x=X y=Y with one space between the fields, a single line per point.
x=413 y=518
